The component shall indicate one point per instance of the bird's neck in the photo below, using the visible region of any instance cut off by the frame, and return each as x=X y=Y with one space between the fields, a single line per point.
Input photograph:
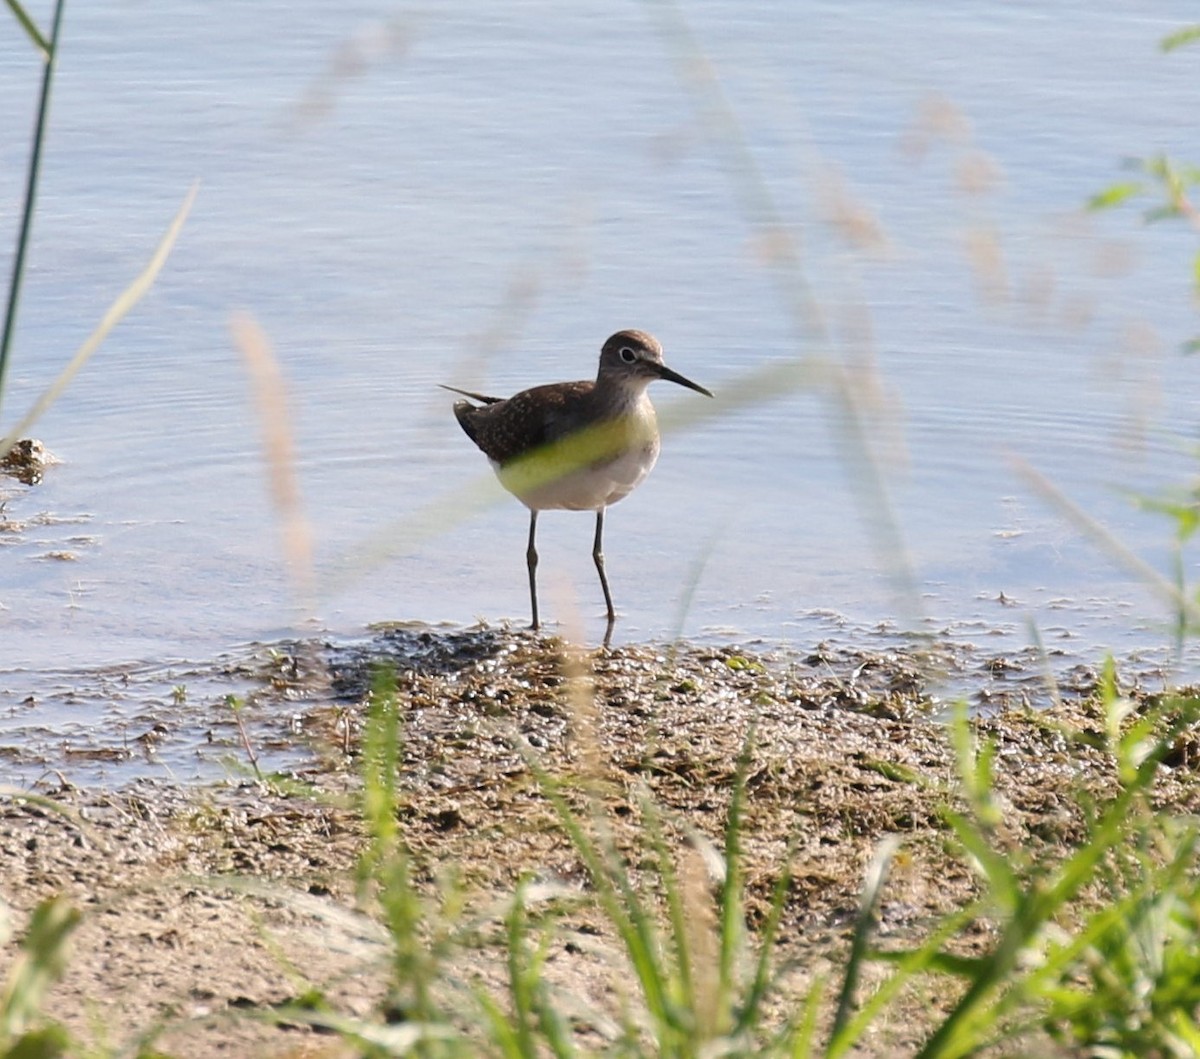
x=622 y=396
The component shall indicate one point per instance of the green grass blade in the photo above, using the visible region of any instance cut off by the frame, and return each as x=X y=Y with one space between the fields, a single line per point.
x=805 y=1031
x=731 y=921
x=929 y=956
x=386 y=863
x=1181 y=37
x=617 y=897
x=1101 y=923
x=49 y=1042
x=975 y=773
x=962 y=1030
x=1115 y=195
x=750 y=1012
x=41 y=961
x=1003 y=881
x=677 y=914
x=28 y=25
x=49 y=52
x=530 y=1000
x=381 y=760
x=691 y=582
x=864 y=924
x=127 y=299
x=500 y=1030
x=521 y=979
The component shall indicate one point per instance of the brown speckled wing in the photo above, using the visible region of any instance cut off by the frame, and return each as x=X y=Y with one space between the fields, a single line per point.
x=524 y=422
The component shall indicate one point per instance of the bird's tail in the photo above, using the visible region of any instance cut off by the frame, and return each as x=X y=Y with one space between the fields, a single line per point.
x=474 y=396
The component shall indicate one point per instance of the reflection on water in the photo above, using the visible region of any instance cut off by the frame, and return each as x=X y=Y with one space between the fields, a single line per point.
x=448 y=214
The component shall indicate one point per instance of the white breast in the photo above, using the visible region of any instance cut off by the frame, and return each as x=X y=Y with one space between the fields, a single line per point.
x=599 y=483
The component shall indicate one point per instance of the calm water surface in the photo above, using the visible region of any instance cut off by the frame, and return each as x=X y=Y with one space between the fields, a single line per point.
x=480 y=195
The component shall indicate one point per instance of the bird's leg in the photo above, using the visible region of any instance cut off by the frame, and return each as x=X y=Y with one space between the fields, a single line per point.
x=531 y=562
x=598 y=558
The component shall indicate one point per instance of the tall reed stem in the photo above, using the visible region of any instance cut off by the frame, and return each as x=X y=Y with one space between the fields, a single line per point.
x=35 y=159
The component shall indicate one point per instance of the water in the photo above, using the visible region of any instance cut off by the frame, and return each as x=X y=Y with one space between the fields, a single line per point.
x=482 y=200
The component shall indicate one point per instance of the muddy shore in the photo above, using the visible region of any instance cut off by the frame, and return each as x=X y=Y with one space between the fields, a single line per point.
x=206 y=907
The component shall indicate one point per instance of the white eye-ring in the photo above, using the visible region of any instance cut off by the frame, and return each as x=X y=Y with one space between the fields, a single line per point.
x=627 y=354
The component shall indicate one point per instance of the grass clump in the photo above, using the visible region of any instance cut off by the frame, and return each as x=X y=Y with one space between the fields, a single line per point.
x=1090 y=950
x=571 y=902
x=701 y=985
x=24 y=1033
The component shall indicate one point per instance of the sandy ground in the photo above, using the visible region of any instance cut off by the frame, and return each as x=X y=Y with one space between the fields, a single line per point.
x=205 y=910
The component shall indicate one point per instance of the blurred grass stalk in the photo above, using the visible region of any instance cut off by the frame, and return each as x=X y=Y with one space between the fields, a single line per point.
x=125 y=300
x=401 y=536
x=752 y=193
x=811 y=371
x=39 y=964
x=1173 y=593
x=279 y=452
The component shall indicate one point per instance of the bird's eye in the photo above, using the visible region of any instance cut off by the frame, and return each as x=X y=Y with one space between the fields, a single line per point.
x=627 y=354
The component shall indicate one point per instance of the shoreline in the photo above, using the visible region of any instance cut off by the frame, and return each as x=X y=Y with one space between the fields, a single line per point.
x=189 y=721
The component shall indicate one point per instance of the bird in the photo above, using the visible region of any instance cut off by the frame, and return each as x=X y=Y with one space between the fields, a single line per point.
x=575 y=446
